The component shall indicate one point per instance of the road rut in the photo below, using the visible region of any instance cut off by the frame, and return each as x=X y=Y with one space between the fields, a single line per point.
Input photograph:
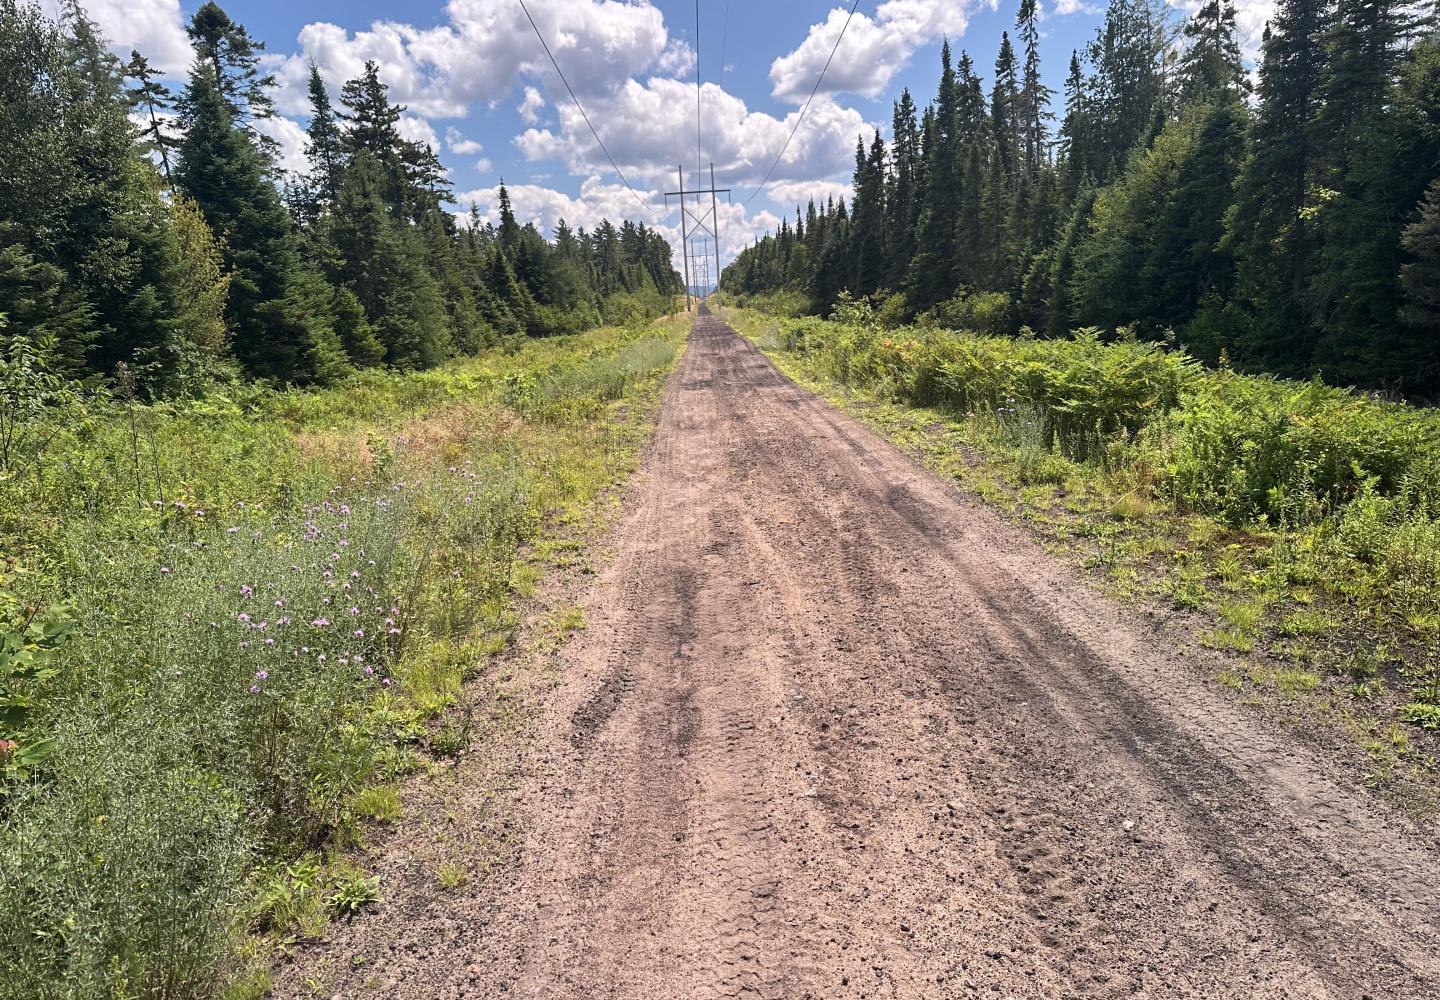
x=837 y=731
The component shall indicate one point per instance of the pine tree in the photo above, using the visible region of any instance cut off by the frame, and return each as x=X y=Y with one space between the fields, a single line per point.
x=234 y=60
x=152 y=98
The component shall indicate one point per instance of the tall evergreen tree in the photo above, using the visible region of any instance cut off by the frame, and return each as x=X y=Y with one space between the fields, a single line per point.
x=278 y=311
x=903 y=205
x=90 y=255
x=1269 y=231
x=928 y=280
x=1211 y=62
x=153 y=99
x=324 y=146
x=867 y=227
x=1007 y=139
x=234 y=61
x=1034 y=107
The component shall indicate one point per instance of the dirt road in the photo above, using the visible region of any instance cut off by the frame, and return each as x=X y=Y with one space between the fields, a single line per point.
x=836 y=731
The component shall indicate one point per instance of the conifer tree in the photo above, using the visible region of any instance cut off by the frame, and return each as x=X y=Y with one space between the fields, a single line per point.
x=1269 y=231
x=151 y=98
x=324 y=146
x=1420 y=278
x=92 y=257
x=1034 y=107
x=278 y=312
x=1211 y=62
x=928 y=279
x=903 y=205
x=234 y=61
x=867 y=226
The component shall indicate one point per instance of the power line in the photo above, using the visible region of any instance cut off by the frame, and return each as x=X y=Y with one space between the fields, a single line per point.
x=698 y=157
x=813 y=91
x=724 y=37
x=618 y=172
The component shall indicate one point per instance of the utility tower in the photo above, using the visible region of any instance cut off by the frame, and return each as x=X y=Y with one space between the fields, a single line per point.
x=708 y=221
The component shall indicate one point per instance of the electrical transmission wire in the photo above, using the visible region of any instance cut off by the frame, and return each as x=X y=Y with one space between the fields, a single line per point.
x=697 y=87
x=618 y=172
x=813 y=91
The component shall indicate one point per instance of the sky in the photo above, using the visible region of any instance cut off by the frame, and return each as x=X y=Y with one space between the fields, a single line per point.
x=478 y=86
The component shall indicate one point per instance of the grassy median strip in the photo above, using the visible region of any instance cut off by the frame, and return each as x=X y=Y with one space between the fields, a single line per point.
x=232 y=625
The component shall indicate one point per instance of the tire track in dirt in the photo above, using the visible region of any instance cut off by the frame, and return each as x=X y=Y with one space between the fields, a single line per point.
x=835 y=731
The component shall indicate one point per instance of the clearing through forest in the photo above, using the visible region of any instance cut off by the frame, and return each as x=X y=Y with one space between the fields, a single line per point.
x=837 y=731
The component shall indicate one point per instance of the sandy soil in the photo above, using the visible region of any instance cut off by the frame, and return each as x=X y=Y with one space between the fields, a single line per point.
x=837 y=731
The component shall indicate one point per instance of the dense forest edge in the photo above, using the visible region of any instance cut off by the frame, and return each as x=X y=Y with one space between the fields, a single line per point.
x=1289 y=226
x=150 y=243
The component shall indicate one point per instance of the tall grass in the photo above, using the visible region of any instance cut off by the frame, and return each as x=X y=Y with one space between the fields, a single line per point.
x=267 y=595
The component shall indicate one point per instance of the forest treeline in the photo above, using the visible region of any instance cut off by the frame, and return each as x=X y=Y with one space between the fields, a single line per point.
x=1294 y=229
x=156 y=231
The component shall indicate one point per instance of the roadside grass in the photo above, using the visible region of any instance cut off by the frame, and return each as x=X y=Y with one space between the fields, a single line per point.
x=1299 y=523
x=232 y=625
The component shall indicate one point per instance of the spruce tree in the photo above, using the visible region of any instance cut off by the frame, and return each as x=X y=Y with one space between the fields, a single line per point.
x=1008 y=144
x=1211 y=62
x=324 y=146
x=382 y=263
x=93 y=258
x=867 y=240
x=928 y=280
x=278 y=311
x=903 y=203
x=1034 y=108
x=1076 y=132
x=1269 y=232
x=1420 y=282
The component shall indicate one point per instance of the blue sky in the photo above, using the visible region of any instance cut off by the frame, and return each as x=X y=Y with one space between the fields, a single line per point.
x=480 y=89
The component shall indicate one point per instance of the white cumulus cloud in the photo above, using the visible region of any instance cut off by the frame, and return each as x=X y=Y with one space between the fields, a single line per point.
x=153 y=28
x=529 y=108
x=460 y=145
x=872 y=51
